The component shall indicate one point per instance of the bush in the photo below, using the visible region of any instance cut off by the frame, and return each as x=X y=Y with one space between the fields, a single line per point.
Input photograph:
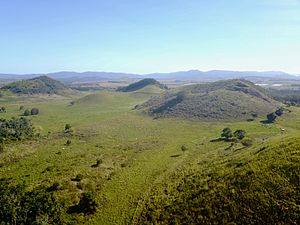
x=19 y=206
x=68 y=126
x=26 y=112
x=15 y=129
x=240 y=134
x=34 y=111
x=184 y=148
x=227 y=133
x=2 y=109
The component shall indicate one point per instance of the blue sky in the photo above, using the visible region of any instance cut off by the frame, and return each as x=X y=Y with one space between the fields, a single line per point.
x=144 y=36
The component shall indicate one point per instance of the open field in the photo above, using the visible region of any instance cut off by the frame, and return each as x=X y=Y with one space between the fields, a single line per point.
x=139 y=155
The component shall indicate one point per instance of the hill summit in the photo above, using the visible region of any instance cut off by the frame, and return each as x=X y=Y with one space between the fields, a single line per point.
x=223 y=100
x=143 y=84
x=37 y=85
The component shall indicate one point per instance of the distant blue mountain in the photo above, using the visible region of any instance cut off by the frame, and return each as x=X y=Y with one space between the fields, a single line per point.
x=68 y=76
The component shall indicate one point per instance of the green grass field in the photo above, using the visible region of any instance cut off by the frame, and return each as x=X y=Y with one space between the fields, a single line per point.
x=141 y=157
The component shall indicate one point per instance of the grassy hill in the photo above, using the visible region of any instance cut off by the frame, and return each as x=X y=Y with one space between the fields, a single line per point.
x=137 y=171
x=38 y=85
x=148 y=85
x=222 y=100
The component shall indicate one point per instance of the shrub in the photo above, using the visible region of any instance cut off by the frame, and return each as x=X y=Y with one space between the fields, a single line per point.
x=271 y=117
x=21 y=107
x=34 y=111
x=240 y=134
x=26 y=112
x=68 y=142
x=184 y=148
x=2 y=109
x=68 y=126
x=19 y=206
x=227 y=133
x=15 y=129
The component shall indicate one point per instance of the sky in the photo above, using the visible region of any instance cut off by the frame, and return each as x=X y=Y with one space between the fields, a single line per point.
x=146 y=36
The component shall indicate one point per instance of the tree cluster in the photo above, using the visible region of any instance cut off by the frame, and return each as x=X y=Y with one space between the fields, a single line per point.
x=271 y=117
x=19 y=206
x=229 y=135
x=15 y=129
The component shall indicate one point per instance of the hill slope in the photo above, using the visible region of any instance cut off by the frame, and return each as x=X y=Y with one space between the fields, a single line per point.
x=145 y=83
x=37 y=85
x=222 y=100
x=256 y=185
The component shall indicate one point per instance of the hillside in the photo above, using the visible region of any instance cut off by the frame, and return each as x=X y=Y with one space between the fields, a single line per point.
x=37 y=85
x=222 y=100
x=147 y=84
x=256 y=185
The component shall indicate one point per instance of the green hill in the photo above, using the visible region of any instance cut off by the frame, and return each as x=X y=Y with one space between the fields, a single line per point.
x=256 y=185
x=146 y=84
x=222 y=100
x=37 y=85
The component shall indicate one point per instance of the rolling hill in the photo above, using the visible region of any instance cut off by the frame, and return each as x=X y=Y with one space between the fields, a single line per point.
x=145 y=85
x=223 y=100
x=37 y=85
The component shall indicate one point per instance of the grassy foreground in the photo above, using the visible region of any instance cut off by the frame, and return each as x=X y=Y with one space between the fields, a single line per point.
x=144 y=176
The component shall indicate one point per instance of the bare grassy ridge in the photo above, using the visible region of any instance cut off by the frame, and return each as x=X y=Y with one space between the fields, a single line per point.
x=222 y=100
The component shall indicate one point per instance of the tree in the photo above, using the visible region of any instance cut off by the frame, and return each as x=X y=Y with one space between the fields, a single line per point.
x=2 y=109
x=68 y=127
x=279 y=111
x=34 y=111
x=240 y=134
x=271 y=117
x=26 y=112
x=227 y=133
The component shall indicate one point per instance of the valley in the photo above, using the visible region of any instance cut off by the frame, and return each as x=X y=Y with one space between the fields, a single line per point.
x=137 y=169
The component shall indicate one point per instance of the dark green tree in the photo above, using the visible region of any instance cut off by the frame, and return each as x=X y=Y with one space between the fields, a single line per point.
x=240 y=134
x=68 y=127
x=271 y=117
x=26 y=112
x=227 y=133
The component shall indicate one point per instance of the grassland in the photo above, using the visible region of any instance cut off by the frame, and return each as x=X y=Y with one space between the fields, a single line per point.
x=140 y=156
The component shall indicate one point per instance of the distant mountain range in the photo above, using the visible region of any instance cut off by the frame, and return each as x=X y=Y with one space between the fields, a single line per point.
x=67 y=76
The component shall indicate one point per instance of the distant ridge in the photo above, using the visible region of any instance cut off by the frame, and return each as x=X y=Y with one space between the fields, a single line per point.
x=37 y=85
x=222 y=100
x=212 y=75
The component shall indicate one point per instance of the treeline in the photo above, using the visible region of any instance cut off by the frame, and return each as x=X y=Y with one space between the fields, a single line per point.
x=18 y=205
x=287 y=96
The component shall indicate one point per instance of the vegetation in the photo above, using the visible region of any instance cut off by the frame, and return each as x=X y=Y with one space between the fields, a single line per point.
x=38 y=85
x=222 y=100
x=34 y=111
x=121 y=166
x=290 y=97
x=19 y=206
x=15 y=129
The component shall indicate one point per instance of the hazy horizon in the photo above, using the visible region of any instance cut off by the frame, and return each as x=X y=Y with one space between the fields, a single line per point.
x=143 y=37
